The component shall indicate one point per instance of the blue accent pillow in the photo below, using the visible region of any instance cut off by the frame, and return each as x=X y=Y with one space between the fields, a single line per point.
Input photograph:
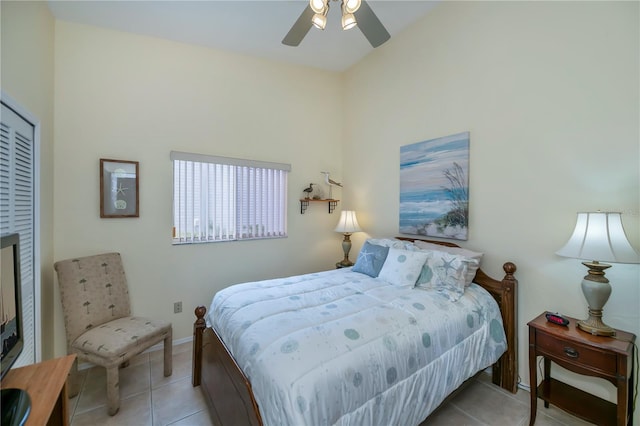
x=370 y=259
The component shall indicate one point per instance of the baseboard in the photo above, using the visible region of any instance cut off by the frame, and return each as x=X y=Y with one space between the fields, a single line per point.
x=159 y=346
x=520 y=385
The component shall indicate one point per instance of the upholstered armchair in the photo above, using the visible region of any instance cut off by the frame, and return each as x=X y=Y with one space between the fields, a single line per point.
x=98 y=321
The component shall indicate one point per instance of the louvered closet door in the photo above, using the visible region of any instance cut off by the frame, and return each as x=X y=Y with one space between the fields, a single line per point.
x=17 y=211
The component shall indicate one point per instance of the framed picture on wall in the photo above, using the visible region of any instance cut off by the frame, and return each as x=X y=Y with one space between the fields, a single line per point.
x=434 y=187
x=119 y=189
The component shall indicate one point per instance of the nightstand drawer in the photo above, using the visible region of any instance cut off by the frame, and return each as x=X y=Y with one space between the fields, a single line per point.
x=576 y=353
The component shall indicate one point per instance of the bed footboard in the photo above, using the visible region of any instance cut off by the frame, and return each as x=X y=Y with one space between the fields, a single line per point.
x=227 y=391
x=505 y=292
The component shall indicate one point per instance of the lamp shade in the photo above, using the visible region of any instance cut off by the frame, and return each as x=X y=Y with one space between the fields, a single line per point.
x=599 y=236
x=348 y=222
x=348 y=21
x=317 y=5
x=351 y=6
x=319 y=20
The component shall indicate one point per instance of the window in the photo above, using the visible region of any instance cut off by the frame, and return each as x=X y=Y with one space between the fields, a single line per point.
x=227 y=199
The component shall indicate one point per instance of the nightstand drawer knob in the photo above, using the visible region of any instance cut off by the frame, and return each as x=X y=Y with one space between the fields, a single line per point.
x=570 y=352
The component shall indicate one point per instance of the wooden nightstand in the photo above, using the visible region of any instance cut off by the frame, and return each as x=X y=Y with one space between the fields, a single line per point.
x=610 y=358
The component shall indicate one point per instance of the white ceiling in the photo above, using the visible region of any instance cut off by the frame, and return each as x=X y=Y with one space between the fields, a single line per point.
x=249 y=27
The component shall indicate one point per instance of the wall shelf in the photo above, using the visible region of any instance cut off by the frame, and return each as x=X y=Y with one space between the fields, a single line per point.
x=304 y=203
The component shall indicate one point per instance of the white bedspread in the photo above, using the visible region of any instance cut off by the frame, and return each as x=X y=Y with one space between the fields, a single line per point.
x=339 y=347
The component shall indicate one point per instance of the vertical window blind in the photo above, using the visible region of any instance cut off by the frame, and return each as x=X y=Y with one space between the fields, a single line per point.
x=227 y=199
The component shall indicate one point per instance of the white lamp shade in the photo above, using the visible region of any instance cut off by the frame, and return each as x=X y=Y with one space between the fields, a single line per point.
x=350 y=6
x=348 y=222
x=319 y=21
x=599 y=236
x=348 y=21
x=317 y=5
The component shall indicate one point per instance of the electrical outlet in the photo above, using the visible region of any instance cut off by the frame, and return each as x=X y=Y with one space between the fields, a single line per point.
x=177 y=307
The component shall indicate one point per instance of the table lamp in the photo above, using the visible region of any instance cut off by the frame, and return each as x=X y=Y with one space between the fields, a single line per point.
x=348 y=224
x=600 y=237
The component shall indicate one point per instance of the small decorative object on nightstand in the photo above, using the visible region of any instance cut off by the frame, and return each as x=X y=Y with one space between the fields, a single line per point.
x=348 y=224
x=582 y=353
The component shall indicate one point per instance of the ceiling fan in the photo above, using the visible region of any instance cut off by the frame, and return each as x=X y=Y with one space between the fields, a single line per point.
x=354 y=12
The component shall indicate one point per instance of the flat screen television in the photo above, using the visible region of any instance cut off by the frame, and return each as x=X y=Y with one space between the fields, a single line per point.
x=11 y=302
x=16 y=404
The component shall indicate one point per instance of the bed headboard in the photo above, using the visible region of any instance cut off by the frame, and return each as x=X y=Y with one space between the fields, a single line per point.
x=505 y=371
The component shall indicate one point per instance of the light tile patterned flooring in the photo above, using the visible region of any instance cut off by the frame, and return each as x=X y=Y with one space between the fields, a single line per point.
x=147 y=398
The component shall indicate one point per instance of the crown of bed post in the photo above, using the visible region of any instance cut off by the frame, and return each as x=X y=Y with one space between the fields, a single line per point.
x=505 y=371
x=198 y=329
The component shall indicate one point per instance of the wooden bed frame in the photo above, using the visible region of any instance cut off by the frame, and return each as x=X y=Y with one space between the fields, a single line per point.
x=228 y=392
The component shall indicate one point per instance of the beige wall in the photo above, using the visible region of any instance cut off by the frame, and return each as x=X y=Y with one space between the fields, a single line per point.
x=130 y=97
x=27 y=77
x=550 y=94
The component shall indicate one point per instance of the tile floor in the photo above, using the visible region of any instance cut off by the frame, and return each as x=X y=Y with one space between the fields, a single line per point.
x=150 y=399
x=146 y=397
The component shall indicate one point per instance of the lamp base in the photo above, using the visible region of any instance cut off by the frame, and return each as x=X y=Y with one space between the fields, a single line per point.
x=346 y=247
x=594 y=325
x=596 y=289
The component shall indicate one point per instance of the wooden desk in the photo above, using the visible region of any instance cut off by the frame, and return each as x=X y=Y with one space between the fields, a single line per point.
x=45 y=382
x=610 y=358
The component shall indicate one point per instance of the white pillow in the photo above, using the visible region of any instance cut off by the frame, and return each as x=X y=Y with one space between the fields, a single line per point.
x=403 y=267
x=472 y=267
x=445 y=273
x=392 y=242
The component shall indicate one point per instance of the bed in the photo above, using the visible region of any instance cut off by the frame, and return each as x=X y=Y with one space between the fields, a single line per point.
x=354 y=349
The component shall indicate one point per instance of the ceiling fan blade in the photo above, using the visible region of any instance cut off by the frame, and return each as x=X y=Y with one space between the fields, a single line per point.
x=300 y=28
x=370 y=25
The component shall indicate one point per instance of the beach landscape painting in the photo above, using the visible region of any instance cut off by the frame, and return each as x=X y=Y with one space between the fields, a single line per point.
x=434 y=187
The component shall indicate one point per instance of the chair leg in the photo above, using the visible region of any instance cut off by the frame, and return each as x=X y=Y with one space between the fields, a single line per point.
x=73 y=381
x=113 y=390
x=168 y=354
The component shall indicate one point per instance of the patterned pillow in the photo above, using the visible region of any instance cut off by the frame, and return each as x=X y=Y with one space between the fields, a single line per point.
x=472 y=267
x=403 y=267
x=370 y=259
x=445 y=272
x=393 y=243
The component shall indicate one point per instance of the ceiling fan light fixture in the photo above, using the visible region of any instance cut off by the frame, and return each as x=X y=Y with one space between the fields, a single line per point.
x=319 y=20
x=351 y=6
x=315 y=15
x=318 y=6
x=348 y=21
